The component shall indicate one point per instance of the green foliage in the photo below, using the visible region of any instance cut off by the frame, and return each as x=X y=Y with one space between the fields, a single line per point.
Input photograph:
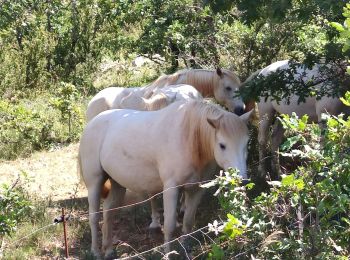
x=22 y=130
x=306 y=214
x=344 y=30
x=65 y=102
x=14 y=208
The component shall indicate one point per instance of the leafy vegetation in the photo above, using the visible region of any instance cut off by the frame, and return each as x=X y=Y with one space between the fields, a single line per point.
x=54 y=55
x=306 y=214
x=14 y=206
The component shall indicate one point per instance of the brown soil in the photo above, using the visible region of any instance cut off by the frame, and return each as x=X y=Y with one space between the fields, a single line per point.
x=53 y=174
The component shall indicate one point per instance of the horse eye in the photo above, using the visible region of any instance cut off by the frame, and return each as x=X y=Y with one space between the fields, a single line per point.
x=222 y=146
x=228 y=88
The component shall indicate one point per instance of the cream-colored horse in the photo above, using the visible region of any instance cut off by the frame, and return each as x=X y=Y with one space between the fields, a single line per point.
x=220 y=84
x=160 y=98
x=133 y=98
x=269 y=109
x=109 y=98
x=133 y=150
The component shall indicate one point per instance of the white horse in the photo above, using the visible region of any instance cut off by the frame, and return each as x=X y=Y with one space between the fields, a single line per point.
x=109 y=98
x=220 y=84
x=269 y=109
x=133 y=150
x=160 y=98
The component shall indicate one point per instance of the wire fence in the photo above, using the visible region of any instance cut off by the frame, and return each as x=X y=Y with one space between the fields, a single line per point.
x=204 y=231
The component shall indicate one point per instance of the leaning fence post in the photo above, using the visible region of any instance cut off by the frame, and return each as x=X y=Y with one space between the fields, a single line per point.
x=65 y=233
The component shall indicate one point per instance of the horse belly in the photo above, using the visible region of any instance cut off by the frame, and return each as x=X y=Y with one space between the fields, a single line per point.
x=139 y=177
x=300 y=109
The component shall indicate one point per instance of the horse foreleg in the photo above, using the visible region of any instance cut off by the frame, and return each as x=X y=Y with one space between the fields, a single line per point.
x=263 y=135
x=114 y=199
x=155 y=225
x=170 y=200
x=192 y=199
x=276 y=140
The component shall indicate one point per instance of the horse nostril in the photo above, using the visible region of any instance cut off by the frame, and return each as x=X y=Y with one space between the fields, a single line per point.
x=239 y=111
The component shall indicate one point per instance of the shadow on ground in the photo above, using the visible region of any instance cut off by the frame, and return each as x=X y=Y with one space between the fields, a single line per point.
x=131 y=233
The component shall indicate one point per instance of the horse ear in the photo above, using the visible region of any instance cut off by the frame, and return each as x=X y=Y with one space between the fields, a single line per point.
x=219 y=72
x=214 y=122
x=247 y=117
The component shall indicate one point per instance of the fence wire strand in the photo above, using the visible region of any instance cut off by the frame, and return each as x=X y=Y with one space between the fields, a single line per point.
x=167 y=243
x=145 y=200
x=80 y=216
x=30 y=234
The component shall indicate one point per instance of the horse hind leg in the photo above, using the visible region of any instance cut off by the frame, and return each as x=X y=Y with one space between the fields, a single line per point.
x=94 y=192
x=114 y=199
x=170 y=201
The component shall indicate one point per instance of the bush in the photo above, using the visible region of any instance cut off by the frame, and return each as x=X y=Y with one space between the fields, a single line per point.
x=65 y=102
x=22 y=130
x=306 y=214
x=14 y=208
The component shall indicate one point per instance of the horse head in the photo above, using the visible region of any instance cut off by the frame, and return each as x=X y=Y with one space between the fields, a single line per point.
x=231 y=141
x=226 y=91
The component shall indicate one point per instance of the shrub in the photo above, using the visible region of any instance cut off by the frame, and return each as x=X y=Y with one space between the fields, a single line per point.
x=14 y=207
x=22 y=130
x=65 y=102
x=306 y=214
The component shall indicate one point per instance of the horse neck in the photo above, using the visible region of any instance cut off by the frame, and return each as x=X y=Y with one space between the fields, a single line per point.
x=199 y=137
x=201 y=81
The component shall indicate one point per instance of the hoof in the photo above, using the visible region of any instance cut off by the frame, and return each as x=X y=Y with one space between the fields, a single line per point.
x=109 y=255
x=155 y=230
x=93 y=254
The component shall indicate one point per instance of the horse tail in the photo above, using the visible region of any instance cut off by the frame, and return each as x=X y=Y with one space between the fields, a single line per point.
x=79 y=168
x=106 y=186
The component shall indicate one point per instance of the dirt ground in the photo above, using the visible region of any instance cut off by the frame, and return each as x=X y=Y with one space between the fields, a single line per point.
x=50 y=173
x=54 y=175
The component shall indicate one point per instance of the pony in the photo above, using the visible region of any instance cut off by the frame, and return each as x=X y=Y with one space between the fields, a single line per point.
x=269 y=109
x=132 y=149
x=109 y=98
x=118 y=98
x=220 y=84
x=160 y=98
x=136 y=102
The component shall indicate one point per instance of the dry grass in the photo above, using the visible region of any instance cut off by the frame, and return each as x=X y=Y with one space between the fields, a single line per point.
x=53 y=184
x=51 y=173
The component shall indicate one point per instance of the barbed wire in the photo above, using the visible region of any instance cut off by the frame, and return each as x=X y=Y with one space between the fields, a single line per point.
x=117 y=208
x=132 y=205
x=169 y=242
x=30 y=234
x=145 y=200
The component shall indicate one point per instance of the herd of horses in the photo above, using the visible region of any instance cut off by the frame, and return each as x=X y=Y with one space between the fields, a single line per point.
x=166 y=135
